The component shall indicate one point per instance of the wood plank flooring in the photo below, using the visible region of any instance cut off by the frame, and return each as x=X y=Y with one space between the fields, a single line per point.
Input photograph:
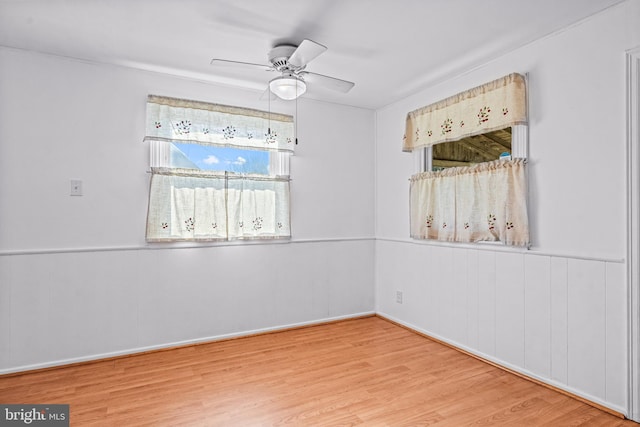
x=366 y=372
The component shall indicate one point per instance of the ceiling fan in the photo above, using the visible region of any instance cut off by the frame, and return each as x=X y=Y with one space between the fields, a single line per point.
x=290 y=61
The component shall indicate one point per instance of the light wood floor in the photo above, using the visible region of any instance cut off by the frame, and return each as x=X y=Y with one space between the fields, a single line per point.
x=357 y=372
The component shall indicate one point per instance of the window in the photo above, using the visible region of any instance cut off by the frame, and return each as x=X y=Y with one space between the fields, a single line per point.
x=218 y=172
x=236 y=160
x=222 y=159
x=463 y=189
x=511 y=142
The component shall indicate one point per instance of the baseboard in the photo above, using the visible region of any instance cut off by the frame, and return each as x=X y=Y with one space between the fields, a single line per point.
x=515 y=370
x=174 y=345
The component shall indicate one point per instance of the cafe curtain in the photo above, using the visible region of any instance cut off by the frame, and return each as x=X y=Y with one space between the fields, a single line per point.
x=485 y=202
x=187 y=206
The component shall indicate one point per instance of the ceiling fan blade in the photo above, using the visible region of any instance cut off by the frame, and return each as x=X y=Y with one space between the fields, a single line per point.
x=328 y=82
x=307 y=51
x=226 y=63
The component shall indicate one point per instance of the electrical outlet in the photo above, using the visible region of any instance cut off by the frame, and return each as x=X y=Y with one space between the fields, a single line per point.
x=399 y=297
x=76 y=187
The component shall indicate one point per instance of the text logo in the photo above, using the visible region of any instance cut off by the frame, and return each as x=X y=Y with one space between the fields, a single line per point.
x=34 y=415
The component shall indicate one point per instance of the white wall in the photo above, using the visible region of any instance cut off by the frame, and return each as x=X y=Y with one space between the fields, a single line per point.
x=77 y=279
x=558 y=311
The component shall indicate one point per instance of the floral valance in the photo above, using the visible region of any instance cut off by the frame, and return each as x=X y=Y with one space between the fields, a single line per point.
x=179 y=120
x=495 y=105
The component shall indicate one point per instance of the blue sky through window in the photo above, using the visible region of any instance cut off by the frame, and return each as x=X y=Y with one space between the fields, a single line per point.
x=205 y=157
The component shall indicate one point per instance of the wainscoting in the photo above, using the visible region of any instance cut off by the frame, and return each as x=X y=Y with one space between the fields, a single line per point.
x=59 y=308
x=558 y=319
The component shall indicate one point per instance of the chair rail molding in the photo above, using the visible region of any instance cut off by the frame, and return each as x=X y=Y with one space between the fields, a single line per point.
x=633 y=227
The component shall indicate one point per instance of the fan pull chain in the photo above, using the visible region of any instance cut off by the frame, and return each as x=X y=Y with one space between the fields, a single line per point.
x=269 y=125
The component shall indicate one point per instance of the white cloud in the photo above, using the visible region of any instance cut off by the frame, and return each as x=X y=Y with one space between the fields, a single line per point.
x=211 y=160
x=240 y=161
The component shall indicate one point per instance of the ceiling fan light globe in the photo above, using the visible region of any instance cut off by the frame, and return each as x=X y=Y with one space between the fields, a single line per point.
x=287 y=87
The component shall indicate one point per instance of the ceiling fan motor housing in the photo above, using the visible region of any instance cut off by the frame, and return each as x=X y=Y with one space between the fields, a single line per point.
x=279 y=58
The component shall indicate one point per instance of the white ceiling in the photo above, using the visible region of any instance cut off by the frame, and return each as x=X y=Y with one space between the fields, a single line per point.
x=389 y=48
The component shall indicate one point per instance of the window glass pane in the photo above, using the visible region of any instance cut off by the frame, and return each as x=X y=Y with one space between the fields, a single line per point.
x=205 y=157
x=472 y=150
